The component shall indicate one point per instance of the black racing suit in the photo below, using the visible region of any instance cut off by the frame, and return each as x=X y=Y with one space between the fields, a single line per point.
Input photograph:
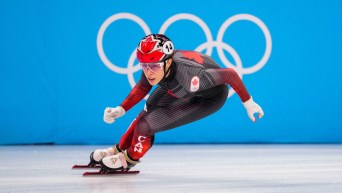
x=195 y=88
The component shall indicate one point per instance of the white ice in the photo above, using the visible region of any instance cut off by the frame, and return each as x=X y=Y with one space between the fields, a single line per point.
x=178 y=169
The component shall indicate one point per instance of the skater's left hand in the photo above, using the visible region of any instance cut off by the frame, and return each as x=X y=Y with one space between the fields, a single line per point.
x=251 y=108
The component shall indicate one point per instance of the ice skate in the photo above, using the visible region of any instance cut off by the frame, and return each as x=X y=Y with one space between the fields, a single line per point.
x=118 y=162
x=97 y=155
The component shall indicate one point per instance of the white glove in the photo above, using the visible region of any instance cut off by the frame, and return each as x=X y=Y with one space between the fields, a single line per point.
x=110 y=114
x=251 y=108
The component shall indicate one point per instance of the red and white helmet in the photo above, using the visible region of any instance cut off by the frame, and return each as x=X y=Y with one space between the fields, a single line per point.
x=154 y=48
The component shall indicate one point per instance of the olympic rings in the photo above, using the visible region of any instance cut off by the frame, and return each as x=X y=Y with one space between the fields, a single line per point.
x=208 y=45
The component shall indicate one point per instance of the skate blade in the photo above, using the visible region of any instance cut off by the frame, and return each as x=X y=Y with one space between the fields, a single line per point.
x=86 y=166
x=99 y=173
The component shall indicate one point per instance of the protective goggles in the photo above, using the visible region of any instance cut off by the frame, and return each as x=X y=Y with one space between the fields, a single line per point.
x=154 y=67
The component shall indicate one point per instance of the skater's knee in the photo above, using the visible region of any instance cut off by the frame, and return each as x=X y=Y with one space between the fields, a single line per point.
x=143 y=128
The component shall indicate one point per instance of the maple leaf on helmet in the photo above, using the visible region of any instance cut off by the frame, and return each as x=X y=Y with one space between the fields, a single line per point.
x=154 y=48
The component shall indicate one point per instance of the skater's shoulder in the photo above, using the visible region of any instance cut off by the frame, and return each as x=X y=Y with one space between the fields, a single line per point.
x=193 y=59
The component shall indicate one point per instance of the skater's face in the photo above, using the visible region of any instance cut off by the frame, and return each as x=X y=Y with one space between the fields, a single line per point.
x=154 y=71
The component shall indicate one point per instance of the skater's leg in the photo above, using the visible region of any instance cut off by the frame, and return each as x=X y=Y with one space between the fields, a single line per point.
x=126 y=139
x=142 y=140
x=160 y=118
x=167 y=117
x=125 y=142
x=141 y=143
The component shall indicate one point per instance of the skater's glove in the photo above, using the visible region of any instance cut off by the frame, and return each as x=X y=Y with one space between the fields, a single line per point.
x=251 y=108
x=110 y=114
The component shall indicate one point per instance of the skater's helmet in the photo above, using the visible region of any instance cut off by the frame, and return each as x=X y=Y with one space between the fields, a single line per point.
x=154 y=48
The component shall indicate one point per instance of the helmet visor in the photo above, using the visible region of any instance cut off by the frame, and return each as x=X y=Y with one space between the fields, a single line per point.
x=154 y=67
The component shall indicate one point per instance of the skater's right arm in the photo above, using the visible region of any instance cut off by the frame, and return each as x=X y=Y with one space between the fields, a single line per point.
x=139 y=91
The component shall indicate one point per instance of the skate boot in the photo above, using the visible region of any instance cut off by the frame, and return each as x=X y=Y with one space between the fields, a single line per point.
x=118 y=162
x=97 y=155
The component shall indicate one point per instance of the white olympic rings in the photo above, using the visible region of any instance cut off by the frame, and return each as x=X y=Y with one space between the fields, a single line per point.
x=208 y=45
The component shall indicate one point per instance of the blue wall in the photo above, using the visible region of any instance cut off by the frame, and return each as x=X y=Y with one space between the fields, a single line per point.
x=55 y=86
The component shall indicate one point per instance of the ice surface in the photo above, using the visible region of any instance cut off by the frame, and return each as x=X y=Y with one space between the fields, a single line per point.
x=179 y=168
